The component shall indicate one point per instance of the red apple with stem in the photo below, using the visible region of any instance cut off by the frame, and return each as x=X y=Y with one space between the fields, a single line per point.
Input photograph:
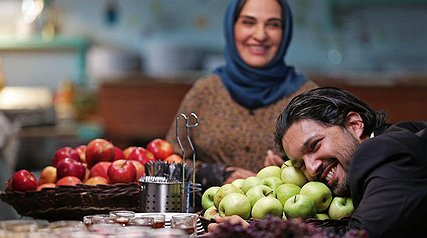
x=99 y=150
x=23 y=180
x=100 y=169
x=68 y=181
x=160 y=148
x=70 y=167
x=121 y=171
x=142 y=155
x=65 y=152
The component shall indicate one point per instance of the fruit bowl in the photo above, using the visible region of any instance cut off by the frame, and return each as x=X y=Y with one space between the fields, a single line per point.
x=74 y=202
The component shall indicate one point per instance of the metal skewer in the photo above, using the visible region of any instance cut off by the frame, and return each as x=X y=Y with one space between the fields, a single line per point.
x=188 y=126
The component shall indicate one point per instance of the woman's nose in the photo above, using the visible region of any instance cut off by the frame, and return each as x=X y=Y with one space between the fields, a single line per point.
x=260 y=33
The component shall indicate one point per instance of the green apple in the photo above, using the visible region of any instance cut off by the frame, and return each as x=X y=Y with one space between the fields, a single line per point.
x=285 y=191
x=223 y=191
x=250 y=182
x=208 y=197
x=211 y=213
x=321 y=216
x=238 y=182
x=267 y=206
x=235 y=204
x=272 y=182
x=293 y=175
x=341 y=207
x=287 y=163
x=319 y=193
x=259 y=191
x=299 y=205
x=269 y=171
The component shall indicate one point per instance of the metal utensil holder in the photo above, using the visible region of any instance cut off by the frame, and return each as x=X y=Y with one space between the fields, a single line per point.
x=160 y=195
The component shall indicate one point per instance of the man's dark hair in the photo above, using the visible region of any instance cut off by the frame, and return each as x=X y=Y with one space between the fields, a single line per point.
x=328 y=106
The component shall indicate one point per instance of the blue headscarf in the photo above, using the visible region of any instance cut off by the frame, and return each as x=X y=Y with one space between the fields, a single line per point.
x=257 y=87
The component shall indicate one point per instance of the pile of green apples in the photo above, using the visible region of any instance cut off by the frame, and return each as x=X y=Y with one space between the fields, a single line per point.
x=279 y=191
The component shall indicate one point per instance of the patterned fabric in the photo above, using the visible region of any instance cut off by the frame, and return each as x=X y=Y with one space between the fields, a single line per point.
x=228 y=134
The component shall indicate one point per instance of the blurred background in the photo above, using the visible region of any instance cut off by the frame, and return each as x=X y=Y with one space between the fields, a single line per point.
x=45 y=42
x=75 y=70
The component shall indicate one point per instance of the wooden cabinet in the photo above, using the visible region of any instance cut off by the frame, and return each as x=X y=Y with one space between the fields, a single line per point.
x=135 y=111
x=403 y=100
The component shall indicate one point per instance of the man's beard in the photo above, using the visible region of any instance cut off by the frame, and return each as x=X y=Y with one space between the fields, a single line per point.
x=342 y=188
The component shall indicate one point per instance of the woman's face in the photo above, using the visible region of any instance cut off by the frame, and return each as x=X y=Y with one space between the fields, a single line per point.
x=258 y=31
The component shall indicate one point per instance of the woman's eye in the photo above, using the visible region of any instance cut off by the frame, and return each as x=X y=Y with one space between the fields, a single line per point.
x=274 y=24
x=247 y=22
x=277 y=25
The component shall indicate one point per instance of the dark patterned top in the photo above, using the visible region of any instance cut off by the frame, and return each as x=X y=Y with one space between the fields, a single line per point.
x=228 y=134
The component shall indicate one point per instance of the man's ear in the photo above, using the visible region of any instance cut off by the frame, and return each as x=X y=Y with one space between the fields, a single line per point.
x=354 y=123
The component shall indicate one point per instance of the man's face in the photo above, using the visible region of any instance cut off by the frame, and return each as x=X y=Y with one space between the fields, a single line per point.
x=322 y=153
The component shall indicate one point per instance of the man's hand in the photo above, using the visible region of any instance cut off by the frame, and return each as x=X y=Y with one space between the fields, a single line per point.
x=236 y=173
x=234 y=219
x=272 y=159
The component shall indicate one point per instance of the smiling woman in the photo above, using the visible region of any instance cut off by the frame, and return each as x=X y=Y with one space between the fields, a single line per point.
x=238 y=103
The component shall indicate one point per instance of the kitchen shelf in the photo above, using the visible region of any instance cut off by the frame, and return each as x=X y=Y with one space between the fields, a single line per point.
x=38 y=43
x=77 y=44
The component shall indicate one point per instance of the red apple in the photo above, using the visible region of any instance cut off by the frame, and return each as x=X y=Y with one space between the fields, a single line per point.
x=173 y=158
x=48 y=175
x=100 y=169
x=23 y=180
x=142 y=155
x=46 y=185
x=140 y=169
x=96 y=180
x=121 y=171
x=64 y=152
x=160 y=148
x=70 y=167
x=81 y=150
x=118 y=153
x=99 y=150
x=128 y=150
x=69 y=181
